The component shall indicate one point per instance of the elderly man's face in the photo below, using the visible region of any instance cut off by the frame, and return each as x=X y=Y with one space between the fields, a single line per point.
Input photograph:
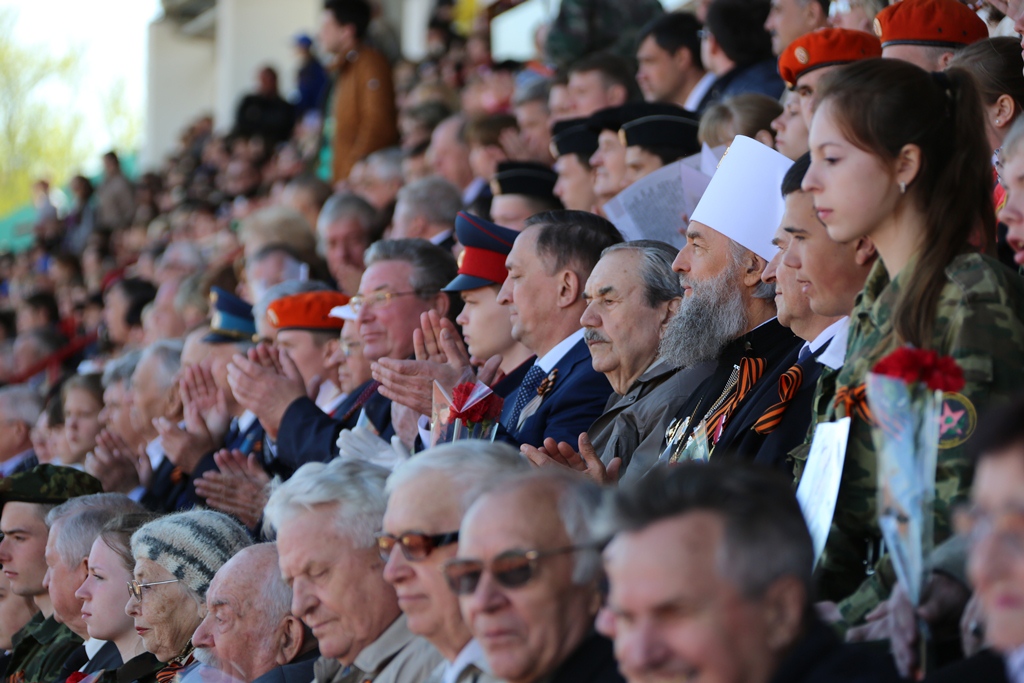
x=337 y=589
x=61 y=582
x=167 y=616
x=622 y=329
x=149 y=400
x=673 y=615
x=235 y=636
x=707 y=254
x=23 y=548
x=995 y=564
x=528 y=631
x=386 y=327
x=427 y=505
x=344 y=243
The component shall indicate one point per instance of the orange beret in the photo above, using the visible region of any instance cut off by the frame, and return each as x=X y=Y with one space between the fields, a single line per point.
x=825 y=47
x=940 y=23
x=309 y=311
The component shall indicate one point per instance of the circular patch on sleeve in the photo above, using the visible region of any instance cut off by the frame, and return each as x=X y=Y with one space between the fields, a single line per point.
x=957 y=421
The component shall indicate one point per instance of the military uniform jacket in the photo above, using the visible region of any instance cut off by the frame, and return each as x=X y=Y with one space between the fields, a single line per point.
x=978 y=322
x=632 y=426
x=40 y=649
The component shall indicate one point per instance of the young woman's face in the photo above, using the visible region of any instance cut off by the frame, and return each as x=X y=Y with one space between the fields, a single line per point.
x=1012 y=213
x=81 y=422
x=103 y=594
x=854 y=190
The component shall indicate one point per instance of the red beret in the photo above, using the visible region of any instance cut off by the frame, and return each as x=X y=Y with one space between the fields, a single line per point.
x=825 y=47
x=939 y=23
x=309 y=311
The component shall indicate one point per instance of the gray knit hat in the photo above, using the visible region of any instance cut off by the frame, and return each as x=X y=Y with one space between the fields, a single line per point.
x=192 y=545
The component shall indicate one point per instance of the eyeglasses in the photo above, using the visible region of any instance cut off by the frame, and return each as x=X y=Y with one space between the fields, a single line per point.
x=135 y=588
x=977 y=525
x=378 y=299
x=511 y=569
x=415 y=546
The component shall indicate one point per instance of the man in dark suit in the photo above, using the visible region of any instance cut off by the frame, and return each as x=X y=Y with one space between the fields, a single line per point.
x=20 y=406
x=403 y=279
x=709 y=569
x=562 y=394
x=534 y=620
x=249 y=632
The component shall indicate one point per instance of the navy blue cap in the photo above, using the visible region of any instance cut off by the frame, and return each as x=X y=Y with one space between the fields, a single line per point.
x=612 y=118
x=663 y=130
x=482 y=261
x=524 y=177
x=303 y=40
x=232 y=319
x=573 y=136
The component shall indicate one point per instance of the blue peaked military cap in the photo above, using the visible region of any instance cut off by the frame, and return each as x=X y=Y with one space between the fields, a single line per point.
x=482 y=261
x=232 y=318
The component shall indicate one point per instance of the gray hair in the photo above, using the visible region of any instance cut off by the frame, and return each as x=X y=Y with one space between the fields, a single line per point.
x=386 y=164
x=433 y=198
x=346 y=205
x=167 y=355
x=192 y=292
x=763 y=290
x=535 y=91
x=120 y=370
x=283 y=289
x=79 y=521
x=765 y=539
x=21 y=403
x=578 y=500
x=661 y=283
x=273 y=598
x=183 y=254
x=355 y=487
x=432 y=267
x=473 y=467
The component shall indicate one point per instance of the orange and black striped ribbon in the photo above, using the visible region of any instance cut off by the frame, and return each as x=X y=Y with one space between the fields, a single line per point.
x=751 y=370
x=789 y=385
x=855 y=402
x=169 y=673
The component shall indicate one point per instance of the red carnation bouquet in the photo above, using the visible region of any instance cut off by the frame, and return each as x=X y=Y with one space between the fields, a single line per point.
x=906 y=392
x=470 y=410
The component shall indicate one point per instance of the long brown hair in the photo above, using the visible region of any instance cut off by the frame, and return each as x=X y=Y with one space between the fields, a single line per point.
x=882 y=105
x=995 y=65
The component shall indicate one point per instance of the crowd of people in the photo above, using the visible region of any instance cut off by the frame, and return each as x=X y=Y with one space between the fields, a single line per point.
x=226 y=382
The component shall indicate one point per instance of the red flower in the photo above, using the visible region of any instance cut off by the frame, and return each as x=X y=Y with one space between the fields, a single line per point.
x=486 y=409
x=76 y=677
x=938 y=373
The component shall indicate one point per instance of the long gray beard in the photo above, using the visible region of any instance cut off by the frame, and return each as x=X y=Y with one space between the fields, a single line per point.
x=711 y=317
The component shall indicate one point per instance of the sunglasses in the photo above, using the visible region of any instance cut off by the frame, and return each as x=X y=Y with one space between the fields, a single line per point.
x=135 y=588
x=415 y=546
x=511 y=569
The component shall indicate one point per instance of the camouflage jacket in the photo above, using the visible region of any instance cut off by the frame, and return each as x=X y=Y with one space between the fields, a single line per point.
x=40 y=649
x=583 y=27
x=978 y=322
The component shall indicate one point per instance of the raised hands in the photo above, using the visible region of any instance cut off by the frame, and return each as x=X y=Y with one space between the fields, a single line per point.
x=239 y=488
x=585 y=461
x=118 y=466
x=204 y=402
x=266 y=382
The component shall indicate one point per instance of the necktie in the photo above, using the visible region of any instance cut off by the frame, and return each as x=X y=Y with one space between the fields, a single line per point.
x=805 y=353
x=368 y=392
x=527 y=390
x=789 y=385
x=233 y=433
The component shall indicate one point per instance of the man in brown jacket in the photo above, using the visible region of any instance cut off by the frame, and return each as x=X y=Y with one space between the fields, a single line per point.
x=360 y=116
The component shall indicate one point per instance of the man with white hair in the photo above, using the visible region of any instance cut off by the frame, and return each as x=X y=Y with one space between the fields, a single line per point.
x=527 y=575
x=326 y=518
x=381 y=178
x=428 y=496
x=427 y=208
x=251 y=635
x=345 y=229
x=20 y=406
x=728 y=314
x=74 y=526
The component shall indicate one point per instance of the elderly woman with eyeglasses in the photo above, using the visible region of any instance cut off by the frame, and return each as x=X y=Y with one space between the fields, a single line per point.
x=175 y=559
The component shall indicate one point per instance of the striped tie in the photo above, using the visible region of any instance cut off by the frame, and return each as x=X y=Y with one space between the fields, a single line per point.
x=751 y=370
x=789 y=385
x=367 y=394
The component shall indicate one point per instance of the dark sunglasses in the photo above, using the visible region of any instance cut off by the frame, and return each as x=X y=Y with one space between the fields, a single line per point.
x=511 y=569
x=416 y=546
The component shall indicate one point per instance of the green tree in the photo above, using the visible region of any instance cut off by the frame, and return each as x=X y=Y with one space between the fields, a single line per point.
x=38 y=138
x=122 y=120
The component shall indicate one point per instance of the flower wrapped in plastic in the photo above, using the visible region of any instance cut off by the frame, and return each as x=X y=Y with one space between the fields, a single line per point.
x=470 y=410
x=905 y=393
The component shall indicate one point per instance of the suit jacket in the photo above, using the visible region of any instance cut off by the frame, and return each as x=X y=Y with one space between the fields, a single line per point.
x=988 y=666
x=308 y=434
x=576 y=400
x=299 y=670
x=106 y=658
x=820 y=657
x=632 y=426
x=249 y=441
x=509 y=384
x=592 y=662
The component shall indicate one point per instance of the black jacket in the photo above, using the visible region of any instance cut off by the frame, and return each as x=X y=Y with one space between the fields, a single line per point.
x=592 y=662
x=820 y=657
x=299 y=670
x=987 y=666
